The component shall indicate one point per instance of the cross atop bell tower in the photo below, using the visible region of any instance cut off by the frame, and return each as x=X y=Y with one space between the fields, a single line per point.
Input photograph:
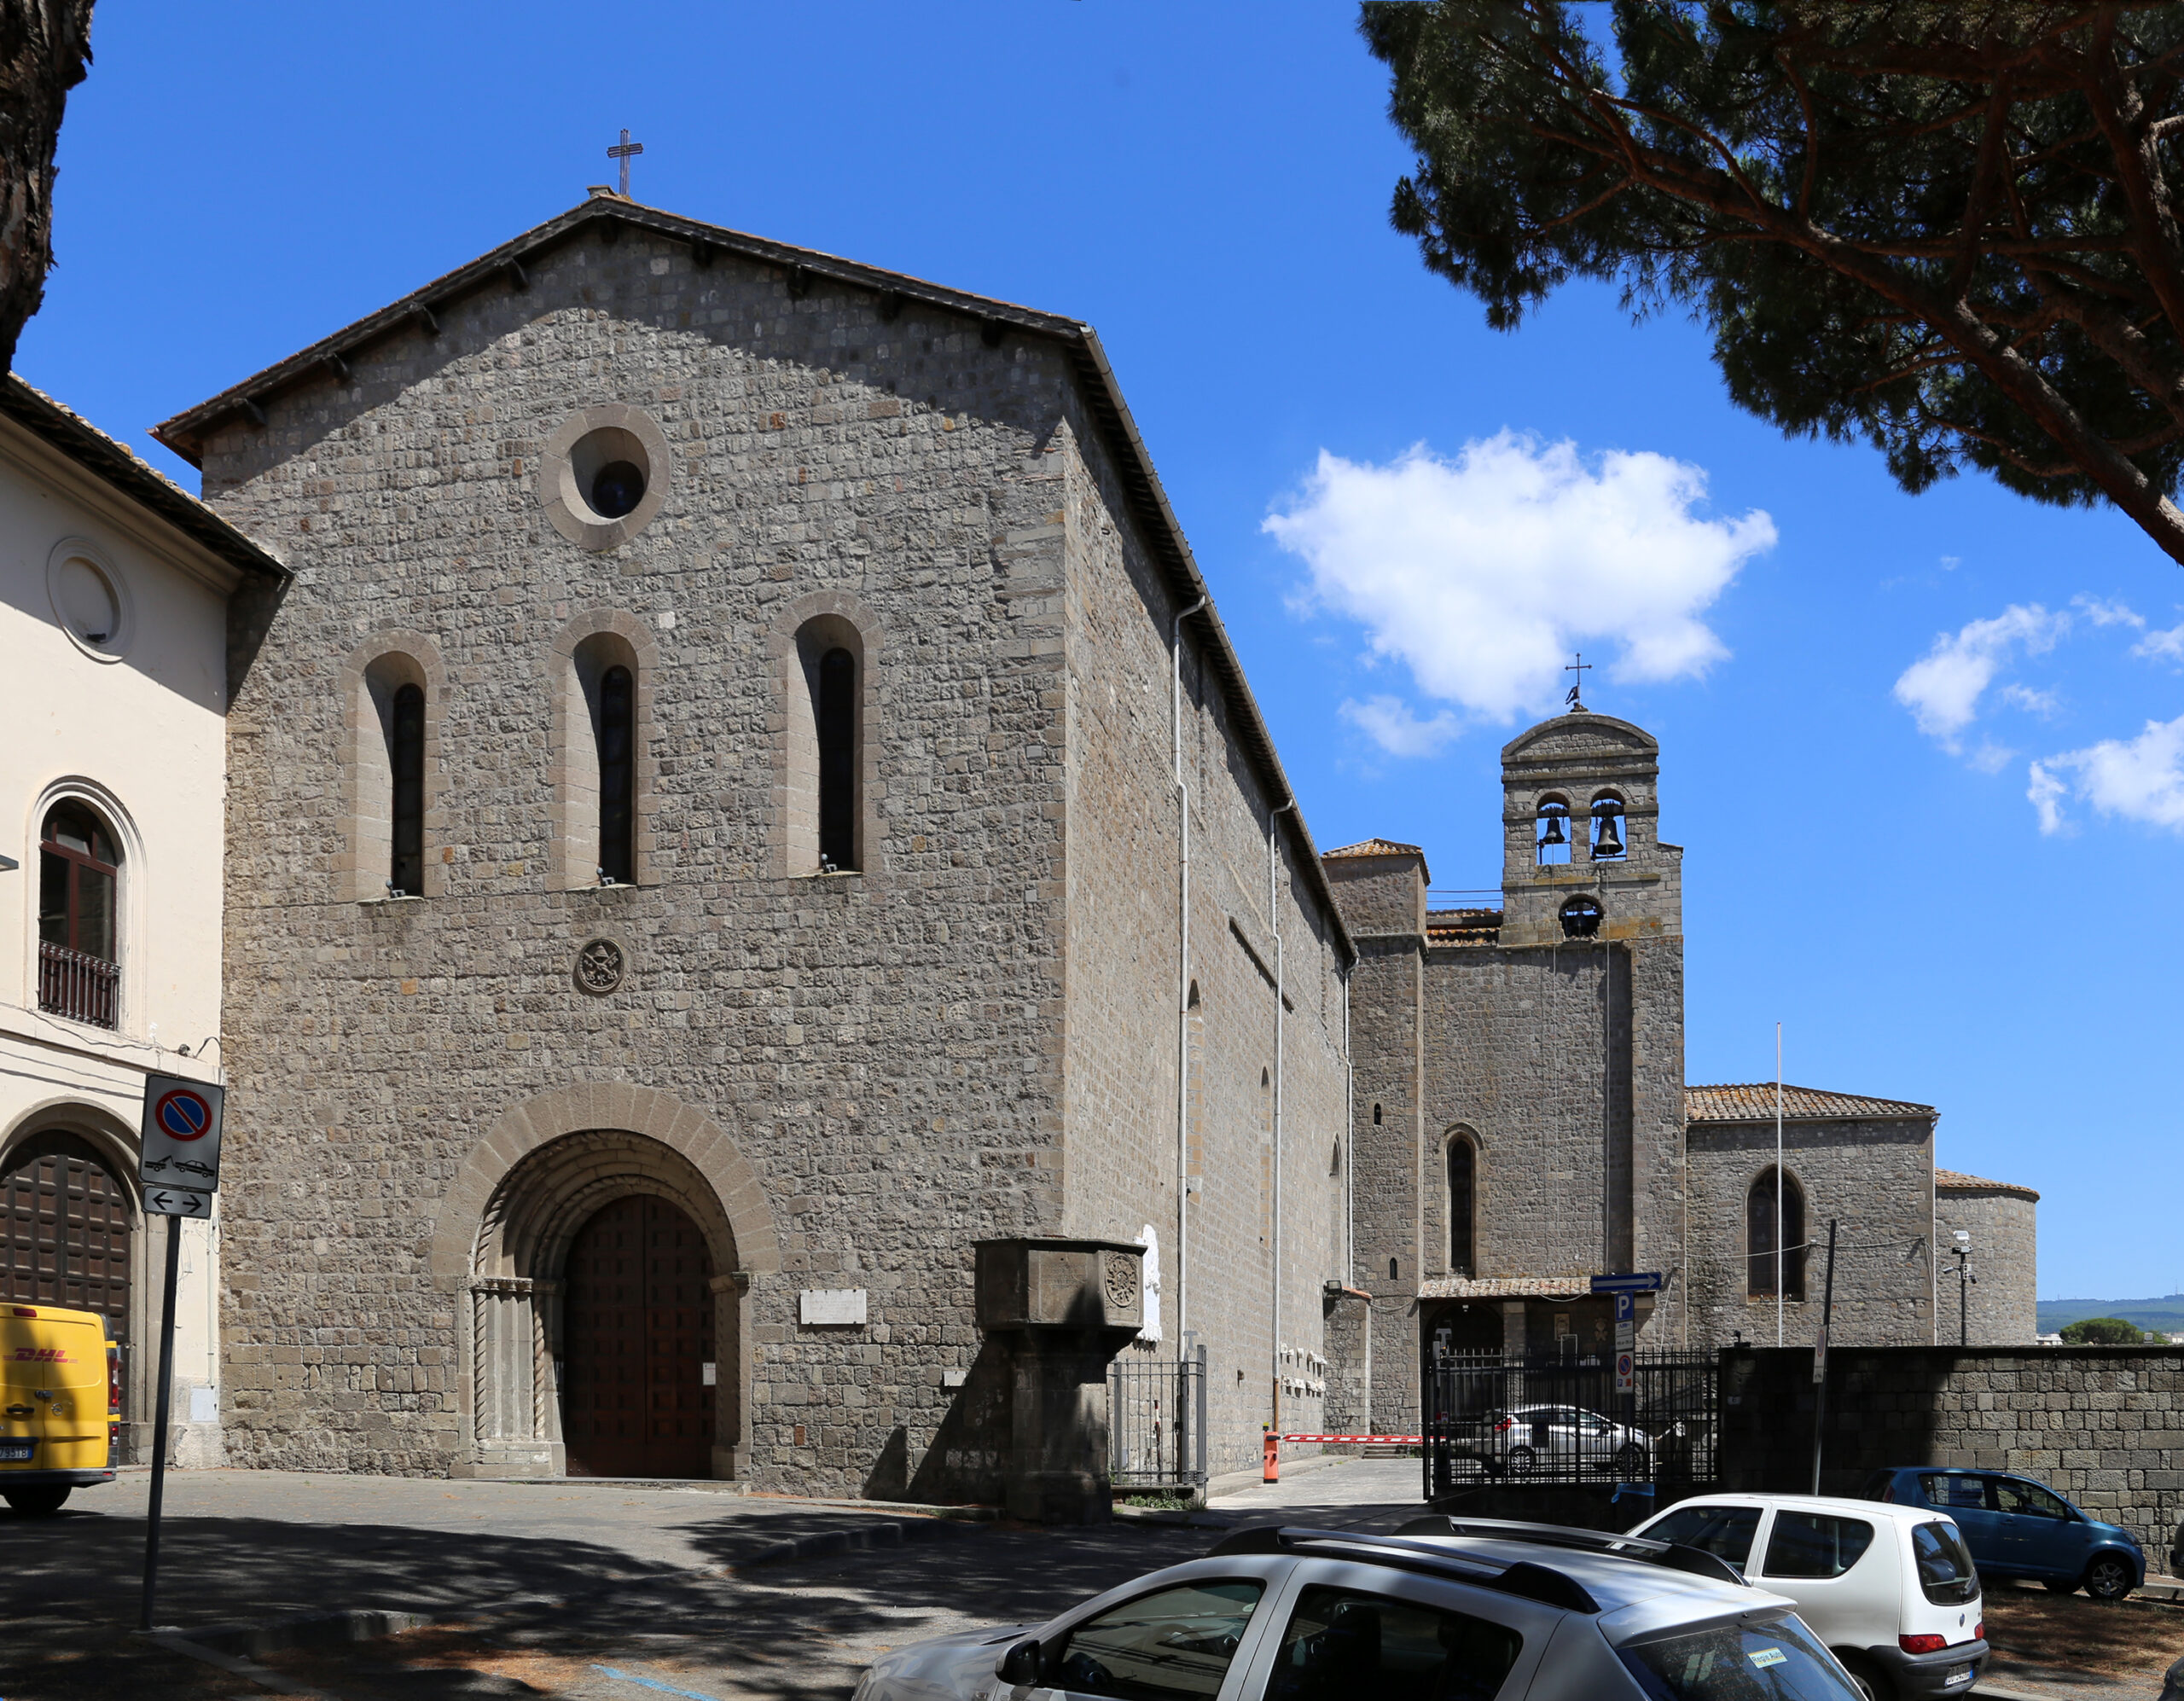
x=1582 y=858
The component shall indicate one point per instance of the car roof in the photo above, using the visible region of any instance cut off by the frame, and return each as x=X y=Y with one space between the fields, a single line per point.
x=1835 y=1504
x=1595 y=1572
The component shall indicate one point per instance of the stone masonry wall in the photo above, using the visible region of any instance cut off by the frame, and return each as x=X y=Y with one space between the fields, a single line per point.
x=2001 y=1304
x=2103 y=1425
x=1122 y=963
x=1877 y=1176
x=882 y=1048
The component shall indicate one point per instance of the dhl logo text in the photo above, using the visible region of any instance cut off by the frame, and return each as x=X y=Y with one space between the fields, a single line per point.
x=42 y=1355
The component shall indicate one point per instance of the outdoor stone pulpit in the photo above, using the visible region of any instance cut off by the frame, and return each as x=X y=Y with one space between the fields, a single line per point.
x=1061 y=1309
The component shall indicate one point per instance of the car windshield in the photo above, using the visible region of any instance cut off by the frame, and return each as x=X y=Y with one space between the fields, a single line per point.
x=1726 y=1531
x=1775 y=1660
x=1945 y=1568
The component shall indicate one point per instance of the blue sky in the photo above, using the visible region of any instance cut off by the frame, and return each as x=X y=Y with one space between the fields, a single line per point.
x=1886 y=872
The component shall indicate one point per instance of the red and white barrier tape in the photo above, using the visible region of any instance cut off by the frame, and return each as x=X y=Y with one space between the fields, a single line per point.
x=1404 y=1440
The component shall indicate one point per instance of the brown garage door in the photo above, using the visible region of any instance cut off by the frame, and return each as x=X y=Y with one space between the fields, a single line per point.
x=638 y=1313
x=64 y=1230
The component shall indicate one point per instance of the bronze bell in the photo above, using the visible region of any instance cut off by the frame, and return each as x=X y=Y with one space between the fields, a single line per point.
x=1554 y=835
x=1609 y=843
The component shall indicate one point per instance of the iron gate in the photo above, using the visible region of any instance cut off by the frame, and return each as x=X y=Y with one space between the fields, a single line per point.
x=1506 y=1419
x=1156 y=1423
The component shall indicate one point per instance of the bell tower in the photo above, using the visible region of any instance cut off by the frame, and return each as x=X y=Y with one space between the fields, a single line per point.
x=1582 y=854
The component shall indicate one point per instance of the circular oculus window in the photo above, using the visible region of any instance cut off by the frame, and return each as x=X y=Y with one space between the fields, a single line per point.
x=90 y=599
x=604 y=475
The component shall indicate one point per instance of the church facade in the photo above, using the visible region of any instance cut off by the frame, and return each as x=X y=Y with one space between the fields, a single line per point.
x=706 y=821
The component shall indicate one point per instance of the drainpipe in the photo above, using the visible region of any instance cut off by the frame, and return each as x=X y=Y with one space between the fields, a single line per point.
x=1274 y=912
x=1183 y=992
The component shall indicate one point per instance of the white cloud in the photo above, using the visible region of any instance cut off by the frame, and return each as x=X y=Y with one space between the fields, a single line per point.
x=2032 y=701
x=1390 y=723
x=2140 y=779
x=2102 y=612
x=2161 y=645
x=1942 y=689
x=1483 y=572
x=1951 y=563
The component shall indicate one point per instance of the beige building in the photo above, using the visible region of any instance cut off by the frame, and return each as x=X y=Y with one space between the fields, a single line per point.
x=113 y=607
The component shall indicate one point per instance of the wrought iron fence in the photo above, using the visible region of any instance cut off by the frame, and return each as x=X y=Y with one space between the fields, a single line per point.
x=73 y=984
x=1156 y=1423
x=1504 y=1418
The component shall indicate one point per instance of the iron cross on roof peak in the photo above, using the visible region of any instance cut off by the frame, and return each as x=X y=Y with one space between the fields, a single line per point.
x=1581 y=667
x=621 y=151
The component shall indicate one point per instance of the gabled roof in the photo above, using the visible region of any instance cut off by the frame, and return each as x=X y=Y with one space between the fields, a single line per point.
x=1755 y=1102
x=507 y=265
x=1956 y=1182
x=68 y=431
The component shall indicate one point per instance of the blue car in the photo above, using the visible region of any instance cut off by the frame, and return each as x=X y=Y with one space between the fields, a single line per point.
x=2018 y=1528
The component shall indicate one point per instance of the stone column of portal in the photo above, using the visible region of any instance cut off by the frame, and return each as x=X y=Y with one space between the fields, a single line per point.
x=1061 y=1309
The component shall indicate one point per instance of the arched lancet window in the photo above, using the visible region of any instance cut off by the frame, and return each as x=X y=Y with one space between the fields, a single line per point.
x=1759 y=1236
x=835 y=715
x=1551 y=830
x=1463 y=1205
x=617 y=717
x=406 y=762
x=1608 y=842
x=78 y=936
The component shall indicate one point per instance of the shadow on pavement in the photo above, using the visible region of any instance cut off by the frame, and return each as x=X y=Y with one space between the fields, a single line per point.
x=71 y=1590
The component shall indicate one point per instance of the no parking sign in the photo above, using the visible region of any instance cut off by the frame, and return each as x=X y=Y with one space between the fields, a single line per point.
x=180 y=1167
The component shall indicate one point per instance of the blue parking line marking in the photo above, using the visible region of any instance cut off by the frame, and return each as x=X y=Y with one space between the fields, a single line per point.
x=648 y=1683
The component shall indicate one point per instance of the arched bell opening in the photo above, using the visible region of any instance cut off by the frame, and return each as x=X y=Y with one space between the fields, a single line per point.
x=1551 y=830
x=608 y=1316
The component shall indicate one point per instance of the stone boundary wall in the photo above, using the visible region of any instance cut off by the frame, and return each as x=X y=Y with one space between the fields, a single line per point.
x=2103 y=1425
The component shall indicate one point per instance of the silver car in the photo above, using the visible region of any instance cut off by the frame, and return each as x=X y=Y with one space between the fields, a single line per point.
x=1314 y=1615
x=1559 y=1441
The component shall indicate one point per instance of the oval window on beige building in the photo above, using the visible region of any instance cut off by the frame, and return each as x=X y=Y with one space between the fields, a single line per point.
x=91 y=599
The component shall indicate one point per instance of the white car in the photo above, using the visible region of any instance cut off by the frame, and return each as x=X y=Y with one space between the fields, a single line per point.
x=1505 y=1610
x=1891 y=1590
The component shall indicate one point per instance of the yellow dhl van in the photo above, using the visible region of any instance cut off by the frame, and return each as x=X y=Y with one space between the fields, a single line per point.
x=58 y=1388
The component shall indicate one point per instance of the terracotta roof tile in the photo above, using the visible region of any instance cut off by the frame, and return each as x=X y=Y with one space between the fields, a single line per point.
x=1374 y=847
x=1463 y=926
x=1956 y=1182
x=1754 y=1101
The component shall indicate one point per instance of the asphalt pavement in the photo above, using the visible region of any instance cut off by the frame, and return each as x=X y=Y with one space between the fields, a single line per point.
x=601 y=1591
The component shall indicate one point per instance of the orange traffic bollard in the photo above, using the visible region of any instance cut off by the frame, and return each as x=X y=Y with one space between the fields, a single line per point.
x=1272 y=1472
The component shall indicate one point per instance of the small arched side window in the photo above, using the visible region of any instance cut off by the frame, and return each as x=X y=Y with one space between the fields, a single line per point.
x=79 y=917
x=1551 y=830
x=617 y=692
x=1376 y=1116
x=835 y=714
x=406 y=764
x=1463 y=1205
x=1607 y=841
x=1759 y=1236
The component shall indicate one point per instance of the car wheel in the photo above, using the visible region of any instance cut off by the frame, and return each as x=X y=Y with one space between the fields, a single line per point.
x=1872 y=1683
x=36 y=1503
x=1630 y=1461
x=1521 y=1460
x=2108 y=1578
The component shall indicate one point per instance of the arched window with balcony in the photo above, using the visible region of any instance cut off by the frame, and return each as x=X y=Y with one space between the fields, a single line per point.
x=1761 y=1219
x=79 y=917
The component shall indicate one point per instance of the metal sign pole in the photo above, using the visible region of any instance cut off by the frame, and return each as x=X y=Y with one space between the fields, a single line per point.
x=162 y=1407
x=1819 y=1357
x=178 y=1162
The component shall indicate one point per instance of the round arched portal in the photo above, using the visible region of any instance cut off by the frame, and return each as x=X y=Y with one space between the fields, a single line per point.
x=606 y=1327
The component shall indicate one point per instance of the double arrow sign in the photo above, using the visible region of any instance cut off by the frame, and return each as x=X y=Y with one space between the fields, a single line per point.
x=162 y=1202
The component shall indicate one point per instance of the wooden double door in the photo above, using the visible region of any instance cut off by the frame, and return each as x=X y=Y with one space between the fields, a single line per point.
x=65 y=1229
x=638 y=1371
